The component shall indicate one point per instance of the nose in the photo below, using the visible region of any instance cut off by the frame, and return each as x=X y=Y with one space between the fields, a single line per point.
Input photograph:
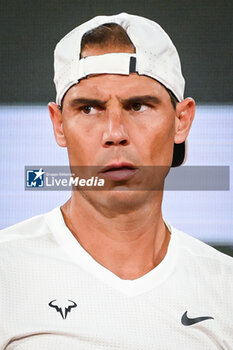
x=115 y=133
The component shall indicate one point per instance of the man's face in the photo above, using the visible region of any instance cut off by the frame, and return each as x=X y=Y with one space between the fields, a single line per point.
x=115 y=118
x=112 y=119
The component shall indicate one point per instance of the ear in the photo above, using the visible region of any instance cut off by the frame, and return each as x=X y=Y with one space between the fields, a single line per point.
x=185 y=111
x=56 y=118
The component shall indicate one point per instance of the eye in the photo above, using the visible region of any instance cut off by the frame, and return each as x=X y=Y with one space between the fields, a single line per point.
x=139 y=107
x=88 y=109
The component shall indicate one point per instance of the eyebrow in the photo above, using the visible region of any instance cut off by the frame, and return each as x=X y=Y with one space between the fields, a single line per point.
x=87 y=101
x=141 y=99
x=100 y=103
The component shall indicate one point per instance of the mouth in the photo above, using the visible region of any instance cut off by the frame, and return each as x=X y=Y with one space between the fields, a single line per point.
x=119 y=171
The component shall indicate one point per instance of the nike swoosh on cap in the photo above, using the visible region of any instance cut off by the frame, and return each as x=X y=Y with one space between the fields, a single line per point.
x=186 y=321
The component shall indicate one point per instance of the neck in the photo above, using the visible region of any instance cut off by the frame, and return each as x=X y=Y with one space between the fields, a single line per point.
x=128 y=244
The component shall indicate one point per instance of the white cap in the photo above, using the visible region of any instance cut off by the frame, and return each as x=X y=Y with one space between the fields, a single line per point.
x=155 y=57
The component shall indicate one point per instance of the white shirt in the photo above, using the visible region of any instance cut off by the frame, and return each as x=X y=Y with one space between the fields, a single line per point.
x=44 y=270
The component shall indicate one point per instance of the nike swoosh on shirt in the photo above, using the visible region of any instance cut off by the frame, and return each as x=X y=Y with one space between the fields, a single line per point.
x=186 y=321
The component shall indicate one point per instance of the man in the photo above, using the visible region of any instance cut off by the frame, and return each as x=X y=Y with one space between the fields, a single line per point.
x=105 y=271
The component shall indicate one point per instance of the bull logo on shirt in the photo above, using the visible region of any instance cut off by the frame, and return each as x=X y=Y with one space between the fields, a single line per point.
x=63 y=310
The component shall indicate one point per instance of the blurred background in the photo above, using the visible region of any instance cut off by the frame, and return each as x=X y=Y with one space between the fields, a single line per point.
x=202 y=33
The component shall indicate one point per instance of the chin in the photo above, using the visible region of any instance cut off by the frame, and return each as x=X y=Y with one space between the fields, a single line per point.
x=120 y=200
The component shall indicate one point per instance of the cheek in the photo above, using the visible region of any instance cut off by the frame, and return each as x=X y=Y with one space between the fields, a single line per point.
x=80 y=140
x=155 y=140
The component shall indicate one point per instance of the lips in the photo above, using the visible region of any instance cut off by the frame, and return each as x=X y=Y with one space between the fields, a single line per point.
x=119 y=171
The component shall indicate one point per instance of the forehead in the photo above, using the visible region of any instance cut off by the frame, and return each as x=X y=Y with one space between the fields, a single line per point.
x=122 y=86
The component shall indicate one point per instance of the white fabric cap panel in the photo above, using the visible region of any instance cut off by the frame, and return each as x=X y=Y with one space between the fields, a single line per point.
x=156 y=55
x=112 y=63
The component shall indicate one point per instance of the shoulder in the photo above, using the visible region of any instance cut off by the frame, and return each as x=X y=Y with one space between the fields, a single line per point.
x=203 y=256
x=29 y=229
